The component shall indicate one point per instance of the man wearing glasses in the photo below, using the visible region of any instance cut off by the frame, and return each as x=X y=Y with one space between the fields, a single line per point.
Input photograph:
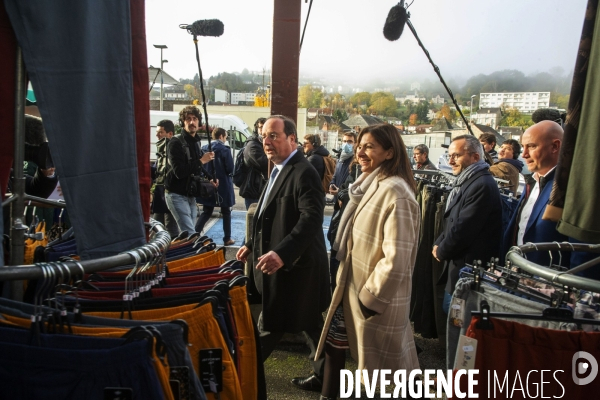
x=288 y=247
x=473 y=217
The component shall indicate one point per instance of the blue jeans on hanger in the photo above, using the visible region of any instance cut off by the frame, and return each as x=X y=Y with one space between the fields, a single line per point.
x=184 y=211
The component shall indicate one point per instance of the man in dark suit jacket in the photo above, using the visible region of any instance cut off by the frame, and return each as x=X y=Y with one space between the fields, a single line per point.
x=288 y=247
x=473 y=217
x=541 y=147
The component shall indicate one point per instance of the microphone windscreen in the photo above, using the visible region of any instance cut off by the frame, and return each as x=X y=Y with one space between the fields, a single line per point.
x=207 y=27
x=394 y=24
x=545 y=114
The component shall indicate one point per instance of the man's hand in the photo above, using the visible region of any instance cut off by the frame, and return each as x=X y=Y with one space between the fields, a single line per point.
x=269 y=263
x=207 y=157
x=216 y=183
x=333 y=189
x=242 y=254
x=434 y=252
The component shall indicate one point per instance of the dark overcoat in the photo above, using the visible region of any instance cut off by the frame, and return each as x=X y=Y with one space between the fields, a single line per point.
x=291 y=225
x=472 y=227
x=223 y=168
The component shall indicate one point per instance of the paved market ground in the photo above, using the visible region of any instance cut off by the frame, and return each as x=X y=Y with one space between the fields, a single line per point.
x=290 y=358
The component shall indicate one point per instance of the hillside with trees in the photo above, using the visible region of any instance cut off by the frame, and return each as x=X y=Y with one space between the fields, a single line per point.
x=384 y=104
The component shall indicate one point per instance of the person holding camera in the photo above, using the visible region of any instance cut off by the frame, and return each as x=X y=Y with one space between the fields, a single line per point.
x=185 y=161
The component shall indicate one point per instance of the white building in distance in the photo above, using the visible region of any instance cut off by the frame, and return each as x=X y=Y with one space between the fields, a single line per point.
x=412 y=98
x=237 y=98
x=221 y=96
x=437 y=99
x=525 y=102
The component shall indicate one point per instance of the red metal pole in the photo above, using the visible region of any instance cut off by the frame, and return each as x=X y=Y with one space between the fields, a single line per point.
x=286 y=58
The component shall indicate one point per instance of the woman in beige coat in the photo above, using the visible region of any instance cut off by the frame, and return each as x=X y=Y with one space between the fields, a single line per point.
x=377 y=245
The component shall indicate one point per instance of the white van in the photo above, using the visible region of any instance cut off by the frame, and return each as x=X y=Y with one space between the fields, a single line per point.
x=238 y=130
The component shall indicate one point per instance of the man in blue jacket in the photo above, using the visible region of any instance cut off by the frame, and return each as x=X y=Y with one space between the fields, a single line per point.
x=473 y=217
x=541 y=147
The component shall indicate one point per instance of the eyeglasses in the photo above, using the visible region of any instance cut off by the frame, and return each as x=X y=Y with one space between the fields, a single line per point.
x=456 y=156
x=271 y=136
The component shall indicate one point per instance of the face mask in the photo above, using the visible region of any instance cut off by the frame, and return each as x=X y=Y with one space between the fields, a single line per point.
x=347 y=148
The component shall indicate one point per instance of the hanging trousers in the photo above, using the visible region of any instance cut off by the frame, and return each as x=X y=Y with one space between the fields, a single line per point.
x=33 y=372
x=204 y=333
x=160 y=369
x=498 y=301
x=515 y=347
x=172 y=334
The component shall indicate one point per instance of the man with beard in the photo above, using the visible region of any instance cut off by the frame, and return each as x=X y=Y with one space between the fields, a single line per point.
x=181 y=167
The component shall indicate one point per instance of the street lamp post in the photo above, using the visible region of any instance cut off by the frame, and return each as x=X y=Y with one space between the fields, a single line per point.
x=472 y=97
x=161 y=47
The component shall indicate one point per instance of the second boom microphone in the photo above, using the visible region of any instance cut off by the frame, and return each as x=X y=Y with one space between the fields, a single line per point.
x=205 y=27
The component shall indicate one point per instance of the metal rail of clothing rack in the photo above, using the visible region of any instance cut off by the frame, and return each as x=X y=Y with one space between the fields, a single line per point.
x=436 y=172
x=517 y=256
x=158 y=245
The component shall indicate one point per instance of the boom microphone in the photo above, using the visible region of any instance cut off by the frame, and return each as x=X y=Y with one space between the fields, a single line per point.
x=204 y=27
x=394 y=24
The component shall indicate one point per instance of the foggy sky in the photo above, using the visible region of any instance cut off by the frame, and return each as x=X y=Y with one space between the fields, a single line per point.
x=344 y=38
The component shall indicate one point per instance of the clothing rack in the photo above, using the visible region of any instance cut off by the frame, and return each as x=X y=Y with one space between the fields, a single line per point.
x=549 y=314
x=516 y=255
x=433 y=172
x=158 y=245
x=34 y=199
x=440 y=179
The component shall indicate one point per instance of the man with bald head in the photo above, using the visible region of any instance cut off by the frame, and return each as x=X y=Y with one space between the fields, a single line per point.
x=541 y=148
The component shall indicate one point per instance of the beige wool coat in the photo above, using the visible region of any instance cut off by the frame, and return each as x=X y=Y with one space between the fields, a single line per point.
x=378 y=270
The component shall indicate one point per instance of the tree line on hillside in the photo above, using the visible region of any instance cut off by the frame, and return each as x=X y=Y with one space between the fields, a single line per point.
x=244 y=82
x=384 y=104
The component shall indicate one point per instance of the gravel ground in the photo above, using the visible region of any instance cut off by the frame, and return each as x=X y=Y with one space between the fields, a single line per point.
x=290 y=359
